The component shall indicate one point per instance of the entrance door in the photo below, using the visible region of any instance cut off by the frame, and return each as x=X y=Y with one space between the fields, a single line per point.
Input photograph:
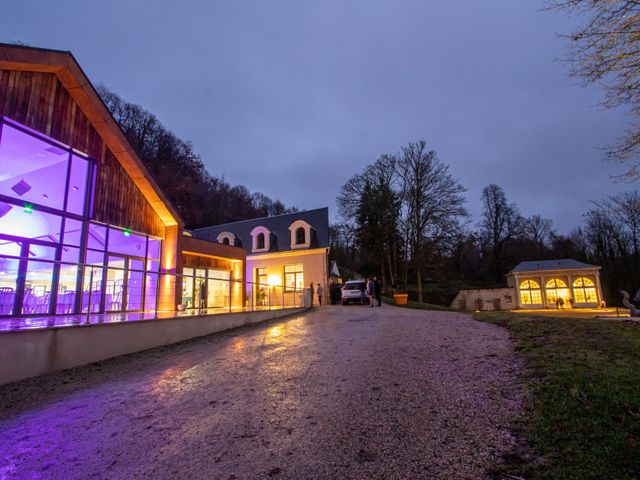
x=125 y=284
x=27 y=276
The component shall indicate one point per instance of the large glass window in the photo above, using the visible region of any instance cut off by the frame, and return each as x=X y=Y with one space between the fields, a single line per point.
x=33 y=170
x=530 y=293
x=556 y=289
x=293 y=277
x=584 y=290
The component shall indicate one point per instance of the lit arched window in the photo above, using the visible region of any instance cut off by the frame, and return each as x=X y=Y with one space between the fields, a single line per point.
x=530 y=293
x=301 y=236
x=556 y=288
x=260 y=241
x=584 y=290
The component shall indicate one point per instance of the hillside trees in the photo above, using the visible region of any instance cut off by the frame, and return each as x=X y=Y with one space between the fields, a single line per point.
x=200 y=197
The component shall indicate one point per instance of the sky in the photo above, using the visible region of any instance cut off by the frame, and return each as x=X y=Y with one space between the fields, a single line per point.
x=293 y=97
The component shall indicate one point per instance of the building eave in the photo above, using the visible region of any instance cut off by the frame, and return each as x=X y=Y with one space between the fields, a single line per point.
x=65 y=67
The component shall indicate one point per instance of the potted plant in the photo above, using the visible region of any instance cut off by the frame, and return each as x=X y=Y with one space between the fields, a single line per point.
x=399 y=297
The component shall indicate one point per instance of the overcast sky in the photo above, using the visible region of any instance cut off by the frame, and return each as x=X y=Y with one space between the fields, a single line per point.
x=291 y=98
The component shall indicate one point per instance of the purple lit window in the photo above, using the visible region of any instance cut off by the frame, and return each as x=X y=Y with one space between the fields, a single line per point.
x=127 y=243
x=34 y=224
x=72 y=232
x=97 y=239
x=32 y=170
x=77 y=185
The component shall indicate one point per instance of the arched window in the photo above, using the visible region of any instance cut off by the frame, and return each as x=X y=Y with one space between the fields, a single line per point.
x=530 y=293
x=260 y=241
x=555 y=289
x=301 y=236
x=584 y=290
x=225 y=241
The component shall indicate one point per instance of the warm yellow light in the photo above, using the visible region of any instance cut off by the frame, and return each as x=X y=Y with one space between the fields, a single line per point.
x=274 y=280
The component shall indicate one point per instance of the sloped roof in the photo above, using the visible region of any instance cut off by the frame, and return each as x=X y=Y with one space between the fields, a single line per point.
x=546 y=265
x=278 y=225
x=65 y=67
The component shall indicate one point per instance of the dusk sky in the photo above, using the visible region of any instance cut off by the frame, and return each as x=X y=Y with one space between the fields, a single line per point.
x=291 y=98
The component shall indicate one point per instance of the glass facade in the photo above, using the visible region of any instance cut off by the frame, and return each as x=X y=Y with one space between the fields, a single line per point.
x=293 y=277
x=53 y=259
x=556 y=289
x=206 y=288
x=530 y=293
x=584 y=290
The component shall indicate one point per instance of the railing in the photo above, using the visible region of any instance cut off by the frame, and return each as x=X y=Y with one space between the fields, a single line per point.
x=38 y=287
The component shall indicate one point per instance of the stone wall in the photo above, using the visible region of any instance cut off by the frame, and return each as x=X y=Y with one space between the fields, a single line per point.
x=485 y=299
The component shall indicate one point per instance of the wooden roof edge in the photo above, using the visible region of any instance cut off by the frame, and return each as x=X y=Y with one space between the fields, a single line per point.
x=64 y=65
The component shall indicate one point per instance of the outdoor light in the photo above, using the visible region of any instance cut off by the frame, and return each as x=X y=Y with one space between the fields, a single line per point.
x=28 y=208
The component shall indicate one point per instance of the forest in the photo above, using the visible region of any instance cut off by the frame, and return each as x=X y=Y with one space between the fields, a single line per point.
x=201 y=198
x=403 y=220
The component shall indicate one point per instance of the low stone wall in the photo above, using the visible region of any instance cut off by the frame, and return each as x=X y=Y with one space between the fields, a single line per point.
x=29 y=353
x=485 y=299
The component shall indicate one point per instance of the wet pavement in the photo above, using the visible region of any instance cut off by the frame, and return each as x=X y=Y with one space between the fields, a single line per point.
x=339 y=393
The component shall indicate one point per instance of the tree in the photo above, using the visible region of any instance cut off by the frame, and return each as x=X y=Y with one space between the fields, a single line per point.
x=432 y=204
x=539 y=231
x=500 y=223
x=201 y=198
x=606 y=51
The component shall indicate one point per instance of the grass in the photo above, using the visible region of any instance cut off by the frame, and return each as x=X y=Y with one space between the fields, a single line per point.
x=582 y=417
x=417 y=305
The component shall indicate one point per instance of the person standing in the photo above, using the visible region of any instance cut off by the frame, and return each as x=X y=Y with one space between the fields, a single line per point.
x=311 y=291
x=370 y=292
x=363 y=292
x=377 y=290
x=320 y=291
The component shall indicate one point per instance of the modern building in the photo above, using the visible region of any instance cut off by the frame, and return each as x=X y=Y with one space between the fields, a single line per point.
x=540 y=284
x=285 y=253
x=84 y=227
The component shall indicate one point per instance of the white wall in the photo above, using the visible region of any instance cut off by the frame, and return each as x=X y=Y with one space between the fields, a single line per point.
x=29 y=353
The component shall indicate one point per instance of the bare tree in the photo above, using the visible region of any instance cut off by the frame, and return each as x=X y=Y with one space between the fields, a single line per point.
x=605 y=50
x=433 y=203
x=501 y=222
x=539 y=231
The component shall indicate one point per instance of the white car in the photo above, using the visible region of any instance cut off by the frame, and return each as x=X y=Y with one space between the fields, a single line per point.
x=352 y=291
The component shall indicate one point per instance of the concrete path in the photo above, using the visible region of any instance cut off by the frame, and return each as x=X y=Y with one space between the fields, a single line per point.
x=340 y=393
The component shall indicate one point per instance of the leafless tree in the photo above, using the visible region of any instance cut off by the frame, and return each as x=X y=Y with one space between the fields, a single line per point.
x=501 y=222
x=539 y=231
x=433 y=203
x=605 y=50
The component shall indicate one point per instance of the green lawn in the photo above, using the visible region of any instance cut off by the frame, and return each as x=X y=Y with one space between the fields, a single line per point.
x=582 y=419
x=417 y=305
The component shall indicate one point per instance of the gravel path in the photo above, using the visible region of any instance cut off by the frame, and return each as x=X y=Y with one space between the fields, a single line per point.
x=339 y=393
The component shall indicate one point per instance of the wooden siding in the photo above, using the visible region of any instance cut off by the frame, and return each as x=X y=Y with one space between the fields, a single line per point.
x=39 y=101
x=195 y=261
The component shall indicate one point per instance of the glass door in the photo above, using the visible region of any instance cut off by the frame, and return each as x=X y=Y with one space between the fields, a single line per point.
x=125 y=284
x=36 y=271
x=135 y=284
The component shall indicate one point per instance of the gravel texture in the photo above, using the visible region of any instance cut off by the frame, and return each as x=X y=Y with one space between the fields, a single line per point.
x=339 y=393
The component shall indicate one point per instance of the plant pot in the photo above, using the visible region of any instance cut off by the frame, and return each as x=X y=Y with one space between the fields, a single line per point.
x=401 y=298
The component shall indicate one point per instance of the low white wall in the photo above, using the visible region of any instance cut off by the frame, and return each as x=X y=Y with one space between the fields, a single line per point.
x=29 y=353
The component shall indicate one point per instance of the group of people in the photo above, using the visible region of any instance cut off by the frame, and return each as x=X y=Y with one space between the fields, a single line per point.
x=372 y=291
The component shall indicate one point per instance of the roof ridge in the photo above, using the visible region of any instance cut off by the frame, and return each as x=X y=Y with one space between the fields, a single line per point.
x=259 y=218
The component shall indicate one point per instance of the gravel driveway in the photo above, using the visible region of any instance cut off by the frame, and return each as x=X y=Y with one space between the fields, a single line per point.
x=339 y=393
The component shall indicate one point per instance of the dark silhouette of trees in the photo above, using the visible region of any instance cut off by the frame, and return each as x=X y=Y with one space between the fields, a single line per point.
x=200 y=197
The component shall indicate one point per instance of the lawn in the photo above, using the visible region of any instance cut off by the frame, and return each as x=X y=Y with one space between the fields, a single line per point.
x=582 y=417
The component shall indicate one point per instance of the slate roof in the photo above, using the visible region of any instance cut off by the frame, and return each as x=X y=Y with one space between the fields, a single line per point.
x=278 y=226
x=542 y=265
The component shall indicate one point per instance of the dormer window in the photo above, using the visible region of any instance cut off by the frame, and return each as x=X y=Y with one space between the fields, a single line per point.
x=261 y=239
x=300 y=234
x=226 y=238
